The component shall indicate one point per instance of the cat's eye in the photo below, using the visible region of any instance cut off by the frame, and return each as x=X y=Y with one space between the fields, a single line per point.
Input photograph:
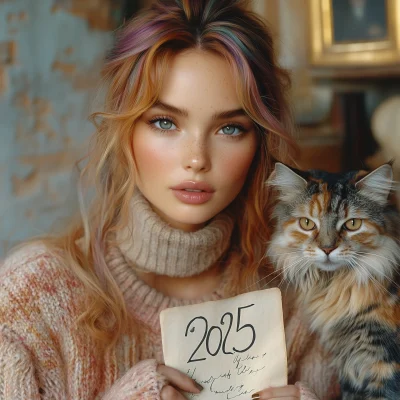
x=353 y=224
x=306 y=224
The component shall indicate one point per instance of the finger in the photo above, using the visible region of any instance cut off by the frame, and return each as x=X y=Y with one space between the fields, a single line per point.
x=179 y=379
x=284 y=392
x=170 y=393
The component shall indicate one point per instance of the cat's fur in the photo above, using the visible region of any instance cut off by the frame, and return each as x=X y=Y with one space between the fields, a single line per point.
x=351 y=291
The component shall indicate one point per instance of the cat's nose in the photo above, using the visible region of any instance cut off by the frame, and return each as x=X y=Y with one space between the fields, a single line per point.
x=328 y=250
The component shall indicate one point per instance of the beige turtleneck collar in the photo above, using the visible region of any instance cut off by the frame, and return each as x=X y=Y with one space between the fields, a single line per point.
x=151 y=245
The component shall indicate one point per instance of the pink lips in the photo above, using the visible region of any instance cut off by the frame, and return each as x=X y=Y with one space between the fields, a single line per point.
x=191 y=192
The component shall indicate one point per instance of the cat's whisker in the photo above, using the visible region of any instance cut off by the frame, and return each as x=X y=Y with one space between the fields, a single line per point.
x=279 y=274
x=273 y=257
x=376 y=255
x=263 y=278
x=275 y=272
x=284 y=254
x=297 y=264
x=302 y=269
x=364 y=270
x=258 y=281
x=371 y=277
x=386 y=277
x=283 y=269
x=389 y=279
x=363 y=254
x=293 y=263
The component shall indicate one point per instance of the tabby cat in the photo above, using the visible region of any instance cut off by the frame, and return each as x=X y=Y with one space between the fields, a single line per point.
x=337 y=242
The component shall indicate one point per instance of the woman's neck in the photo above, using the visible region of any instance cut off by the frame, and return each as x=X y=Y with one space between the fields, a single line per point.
x=187 y=288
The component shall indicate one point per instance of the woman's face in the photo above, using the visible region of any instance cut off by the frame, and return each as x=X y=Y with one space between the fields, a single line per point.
x=194 y=147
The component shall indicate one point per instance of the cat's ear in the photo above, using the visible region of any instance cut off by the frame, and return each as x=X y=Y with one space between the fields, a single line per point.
x=289 y=184
x=377 y=184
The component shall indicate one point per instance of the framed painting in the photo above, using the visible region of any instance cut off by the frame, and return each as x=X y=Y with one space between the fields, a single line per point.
x=359 y=33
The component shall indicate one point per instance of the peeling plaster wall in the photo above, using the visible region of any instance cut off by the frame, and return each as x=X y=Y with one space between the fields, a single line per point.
x=51 y=52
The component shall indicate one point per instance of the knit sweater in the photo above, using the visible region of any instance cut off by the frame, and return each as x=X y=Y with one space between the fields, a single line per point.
x=45 y=355
x=152 y=245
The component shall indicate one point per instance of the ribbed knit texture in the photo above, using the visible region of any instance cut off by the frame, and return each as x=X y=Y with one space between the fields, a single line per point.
x=45 y=355
x=154 y=246
x=146 y=303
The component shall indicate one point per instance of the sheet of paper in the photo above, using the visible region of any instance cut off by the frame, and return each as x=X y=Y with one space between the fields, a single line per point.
x=233 y=347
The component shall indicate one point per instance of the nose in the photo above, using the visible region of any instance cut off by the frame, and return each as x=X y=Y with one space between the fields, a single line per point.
x=328 y=250
x=196 y=156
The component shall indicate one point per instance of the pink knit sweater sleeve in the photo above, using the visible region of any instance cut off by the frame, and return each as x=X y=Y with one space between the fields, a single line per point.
x=18 y=380
x=142 y=381
x=17 y=374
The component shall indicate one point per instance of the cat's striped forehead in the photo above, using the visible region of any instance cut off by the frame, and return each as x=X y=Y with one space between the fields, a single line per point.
x=320 y=200
x=332 y=196
x=328 y=193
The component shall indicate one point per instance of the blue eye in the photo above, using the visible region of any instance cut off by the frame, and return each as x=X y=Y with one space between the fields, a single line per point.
x=232 y=130
x=164 y=124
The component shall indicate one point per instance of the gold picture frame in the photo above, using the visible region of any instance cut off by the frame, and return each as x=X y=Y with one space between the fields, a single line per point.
x=326 y=51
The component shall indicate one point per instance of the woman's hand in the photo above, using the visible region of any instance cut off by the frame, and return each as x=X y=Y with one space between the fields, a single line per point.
x=289 y=392
x=176 y=380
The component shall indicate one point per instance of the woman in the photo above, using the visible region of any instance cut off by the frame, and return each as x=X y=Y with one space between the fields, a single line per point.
x=194 y=115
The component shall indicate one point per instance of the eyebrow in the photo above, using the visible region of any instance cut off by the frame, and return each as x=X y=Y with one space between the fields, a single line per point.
x=185 y=113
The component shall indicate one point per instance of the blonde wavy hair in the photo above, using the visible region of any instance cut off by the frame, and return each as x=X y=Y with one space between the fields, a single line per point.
x=134 y=74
